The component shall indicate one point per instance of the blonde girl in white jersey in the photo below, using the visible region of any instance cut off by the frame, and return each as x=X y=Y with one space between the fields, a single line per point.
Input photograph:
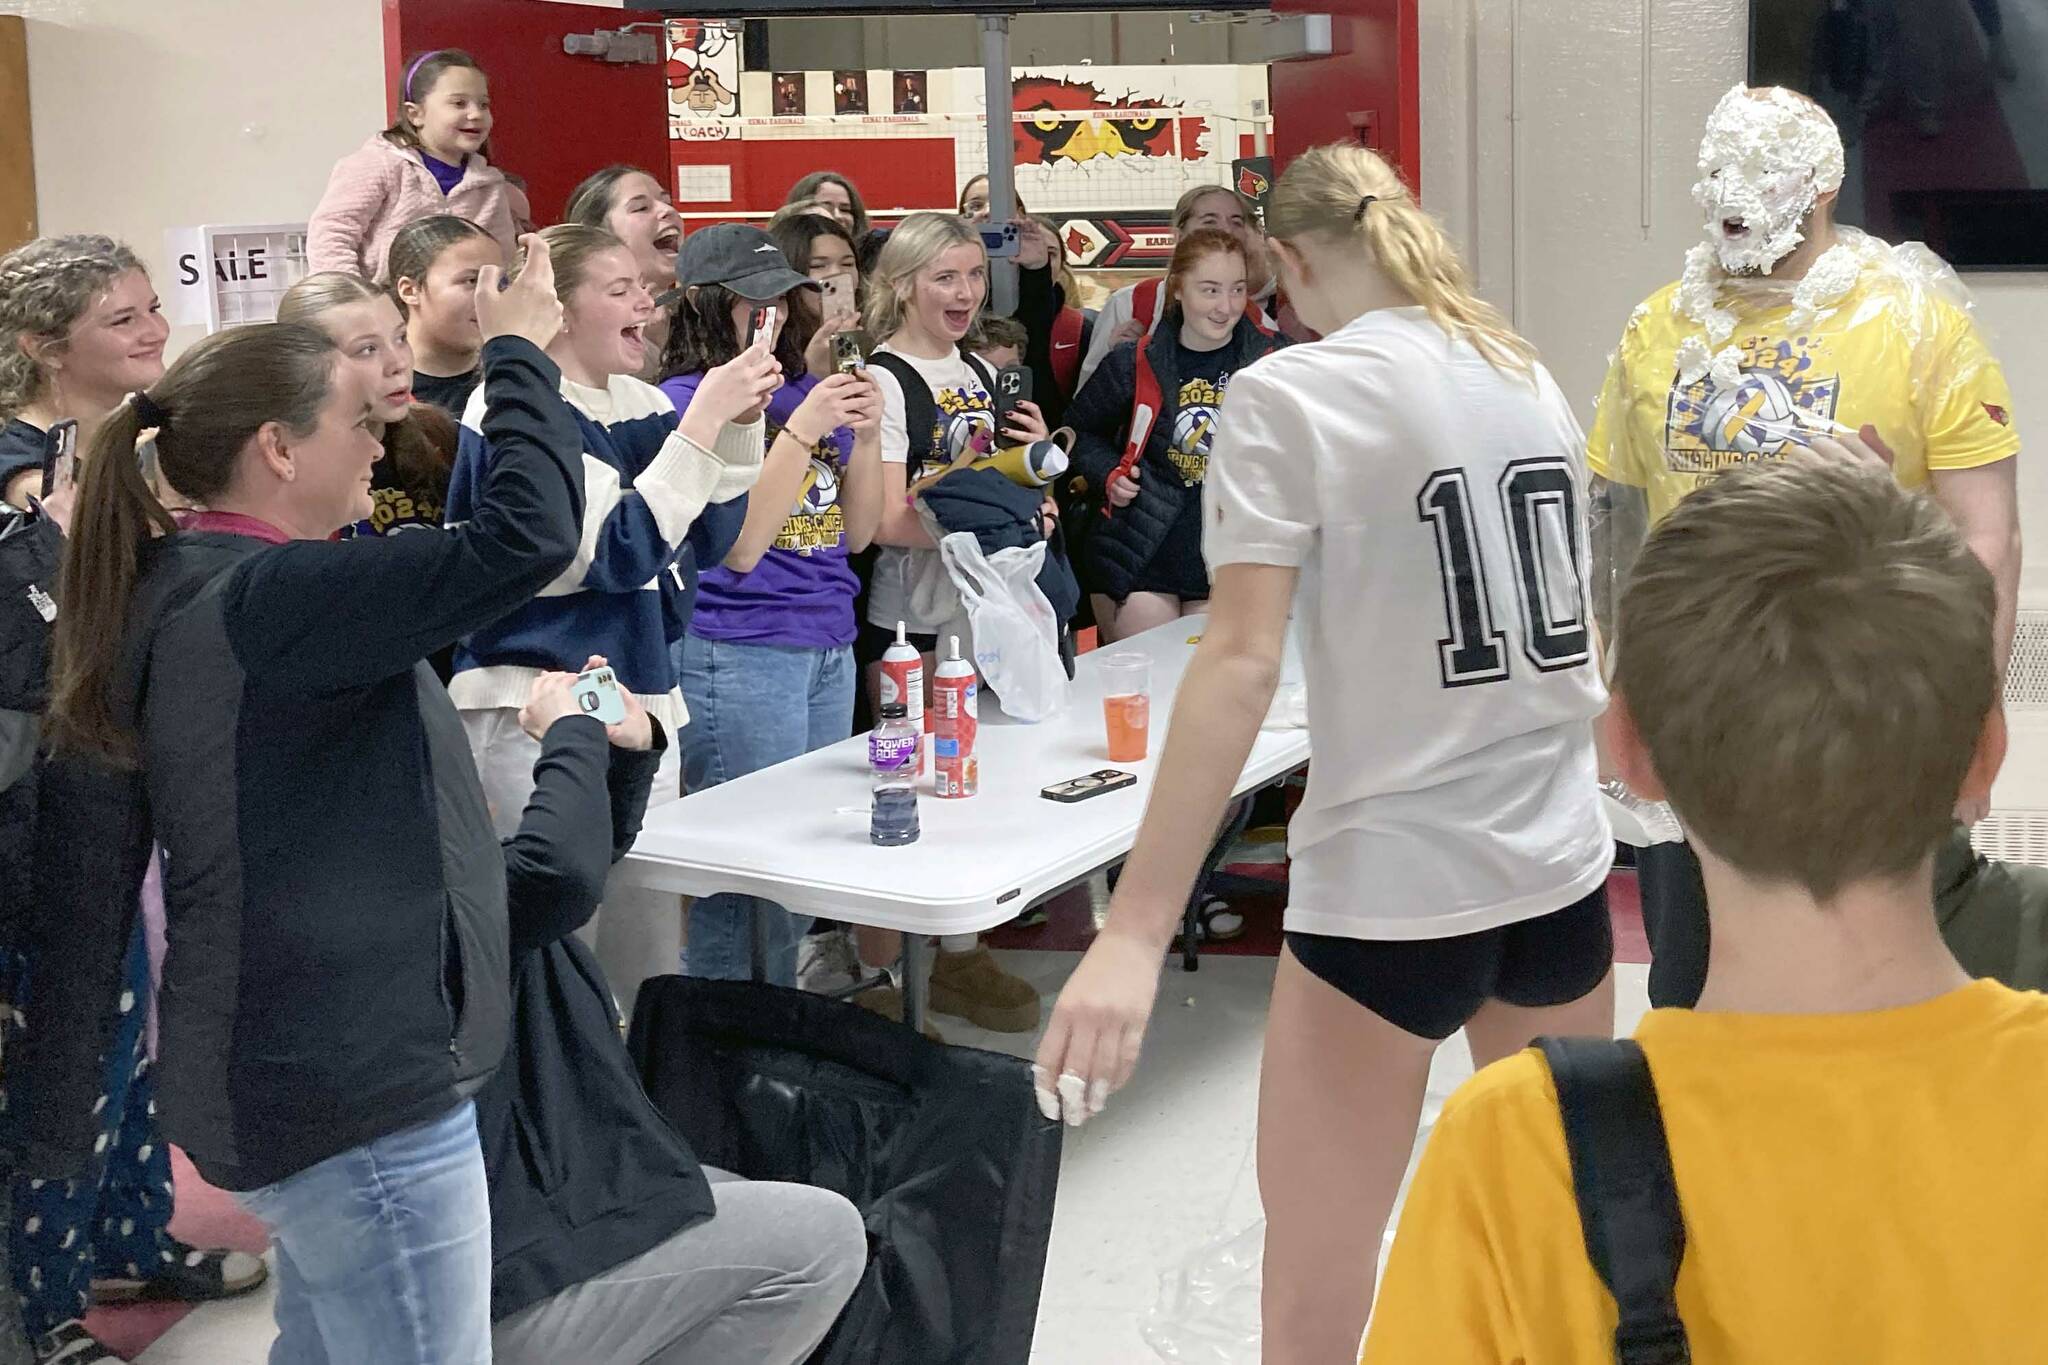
x=1410 y=488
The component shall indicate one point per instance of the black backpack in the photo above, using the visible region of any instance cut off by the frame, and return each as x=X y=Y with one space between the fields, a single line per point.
x=1627 y=1196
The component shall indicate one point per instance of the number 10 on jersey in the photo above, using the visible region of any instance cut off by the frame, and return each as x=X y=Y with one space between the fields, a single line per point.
x=1539 y=502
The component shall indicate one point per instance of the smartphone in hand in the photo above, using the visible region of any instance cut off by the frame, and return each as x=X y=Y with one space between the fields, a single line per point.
x=838 y=296
x=761 y=322
x=597 y=695
x=1013 y=386
x=999 y=240
x=60 y=457
x=847 y=357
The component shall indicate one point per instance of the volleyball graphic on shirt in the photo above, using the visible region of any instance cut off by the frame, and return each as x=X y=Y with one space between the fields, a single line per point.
x=1786 y=386
x=964 y=423
x=1756 y=417
x=1194 y=429
x=817 y=522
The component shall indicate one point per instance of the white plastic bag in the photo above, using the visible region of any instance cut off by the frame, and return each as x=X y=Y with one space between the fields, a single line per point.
x=1016 y=635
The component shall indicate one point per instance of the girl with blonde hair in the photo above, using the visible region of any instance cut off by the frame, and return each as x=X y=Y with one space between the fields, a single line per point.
x=80 y=329
x=662 y=497
x=927 y=288
x=1410 y=488
x=409 y=486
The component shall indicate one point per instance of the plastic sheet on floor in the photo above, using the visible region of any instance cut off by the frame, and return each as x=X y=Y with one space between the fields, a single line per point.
x=1208 y=1308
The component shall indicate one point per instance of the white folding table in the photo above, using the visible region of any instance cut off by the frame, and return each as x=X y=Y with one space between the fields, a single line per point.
x=797 y=833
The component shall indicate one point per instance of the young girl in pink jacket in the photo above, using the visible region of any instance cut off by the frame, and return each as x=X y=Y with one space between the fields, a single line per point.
x=429 y=161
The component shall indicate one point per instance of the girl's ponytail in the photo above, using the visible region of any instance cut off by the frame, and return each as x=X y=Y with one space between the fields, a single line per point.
x=205 y=410
x=116 y=515
x=1342 y=192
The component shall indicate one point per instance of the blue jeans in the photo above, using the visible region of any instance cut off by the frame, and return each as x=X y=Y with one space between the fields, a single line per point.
x=384 y=1252
x=751 y=707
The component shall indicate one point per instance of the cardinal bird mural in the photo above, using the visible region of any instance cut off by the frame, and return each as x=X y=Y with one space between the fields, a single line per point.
x=697 y=49
x=1050 y=141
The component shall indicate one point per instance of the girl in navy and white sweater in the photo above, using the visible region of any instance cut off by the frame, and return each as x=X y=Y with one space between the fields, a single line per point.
x=661 y=496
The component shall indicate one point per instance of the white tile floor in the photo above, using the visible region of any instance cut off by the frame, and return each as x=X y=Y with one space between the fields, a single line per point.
x=1166 y=1170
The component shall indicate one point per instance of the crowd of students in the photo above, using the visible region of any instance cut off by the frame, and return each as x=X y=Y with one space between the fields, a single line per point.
x=291 y=757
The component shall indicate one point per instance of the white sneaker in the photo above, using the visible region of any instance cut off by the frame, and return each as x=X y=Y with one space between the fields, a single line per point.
x=826 y=963
x=1637 y=822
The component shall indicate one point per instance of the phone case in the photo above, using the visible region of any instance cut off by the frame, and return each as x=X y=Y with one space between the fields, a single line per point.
x=1013 y=386
x=846 y=353
x=1094 y=784
x=597 y=695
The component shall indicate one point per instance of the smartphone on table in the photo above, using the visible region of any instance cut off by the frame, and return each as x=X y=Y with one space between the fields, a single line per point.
x=1097 y=783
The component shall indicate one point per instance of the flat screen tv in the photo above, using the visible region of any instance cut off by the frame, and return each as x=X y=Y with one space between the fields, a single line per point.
x=1943 y=105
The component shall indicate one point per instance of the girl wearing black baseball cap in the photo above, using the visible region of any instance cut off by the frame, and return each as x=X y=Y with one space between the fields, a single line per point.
x=767 y=661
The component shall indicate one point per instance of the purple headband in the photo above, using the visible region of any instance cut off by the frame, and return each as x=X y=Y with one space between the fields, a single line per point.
x=405 y=90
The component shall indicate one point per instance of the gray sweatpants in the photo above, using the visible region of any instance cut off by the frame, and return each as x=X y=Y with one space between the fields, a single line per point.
x=762 y=1282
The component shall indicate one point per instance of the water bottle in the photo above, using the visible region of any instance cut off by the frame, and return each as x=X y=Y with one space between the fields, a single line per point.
x=892 y=760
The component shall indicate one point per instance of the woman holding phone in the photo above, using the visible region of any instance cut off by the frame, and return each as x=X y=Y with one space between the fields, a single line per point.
x=924 y=294
x=822 y=249
x=767 y=661
x=80 y=328
x=335 y=990
x=662 y=495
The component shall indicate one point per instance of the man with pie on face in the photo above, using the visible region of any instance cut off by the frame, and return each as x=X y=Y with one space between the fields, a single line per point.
x=1789 y=336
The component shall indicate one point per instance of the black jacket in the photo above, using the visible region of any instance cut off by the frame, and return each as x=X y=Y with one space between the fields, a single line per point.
x=1003 y=515
x=584 y=1173
x=1125 y=543
x=335 y=896
x=29 y=560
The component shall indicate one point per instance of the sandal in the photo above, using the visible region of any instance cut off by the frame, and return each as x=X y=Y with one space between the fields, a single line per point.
x=1218 y=922
x=192 y=1276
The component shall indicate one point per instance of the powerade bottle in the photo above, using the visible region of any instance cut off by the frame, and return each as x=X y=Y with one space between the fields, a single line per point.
x=892 y=759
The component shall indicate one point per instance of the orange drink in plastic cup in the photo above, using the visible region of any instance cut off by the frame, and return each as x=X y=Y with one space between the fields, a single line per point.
x=1127 y=705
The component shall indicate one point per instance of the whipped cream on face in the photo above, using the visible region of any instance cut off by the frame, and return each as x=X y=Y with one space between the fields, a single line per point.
x=1766 y=158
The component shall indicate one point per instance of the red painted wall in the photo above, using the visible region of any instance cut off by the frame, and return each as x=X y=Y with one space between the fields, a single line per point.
x=558 y=117
x=1364 y=90
x=913 y=172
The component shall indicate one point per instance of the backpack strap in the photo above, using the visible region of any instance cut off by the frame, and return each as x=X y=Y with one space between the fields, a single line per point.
x=983 y=371
x=920 y=410
x=1147 y=302
x=1147 y=399
x=1627 y=1195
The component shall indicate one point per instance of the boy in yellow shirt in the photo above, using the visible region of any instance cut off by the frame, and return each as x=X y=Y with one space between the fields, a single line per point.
x=1856 y=1127
x=1783 y=328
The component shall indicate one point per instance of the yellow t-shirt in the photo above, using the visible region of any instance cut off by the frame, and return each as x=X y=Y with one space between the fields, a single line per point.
x=1887 y=354
x=1857 y=1189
